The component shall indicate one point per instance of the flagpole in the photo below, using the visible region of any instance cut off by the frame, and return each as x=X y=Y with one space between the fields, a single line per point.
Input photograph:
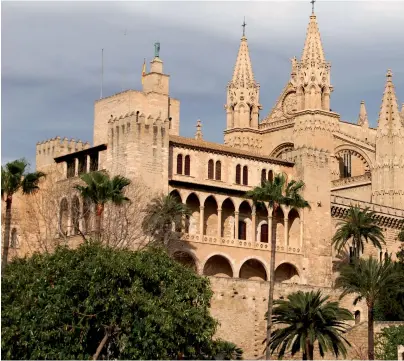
x=102 y=70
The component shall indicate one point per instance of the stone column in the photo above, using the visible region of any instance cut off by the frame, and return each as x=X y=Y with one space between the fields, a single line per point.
x=236 y=224
x=286 y=230
x=254 y=224
x=88 y=163
x=219 y=222
x=76 y=167
x=201 y=220
x=301 y=230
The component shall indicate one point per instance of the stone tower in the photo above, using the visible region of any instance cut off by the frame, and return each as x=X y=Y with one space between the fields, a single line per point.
x=242 y=107
x=388 y=170
x=314 y=149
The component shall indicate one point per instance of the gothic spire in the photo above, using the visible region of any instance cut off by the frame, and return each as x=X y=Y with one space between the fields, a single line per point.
x=363 y=116
x=389 y=116
x=243 y=75
x=198 y=134
x=313 y=49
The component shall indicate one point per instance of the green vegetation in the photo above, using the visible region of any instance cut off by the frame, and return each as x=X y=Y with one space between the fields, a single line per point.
x=387 y=341
x=276 y=192
x=360 y=227
x=309 y=318
x=369 y=280
x=101 y=189
x=14 y=177
x=98 y=302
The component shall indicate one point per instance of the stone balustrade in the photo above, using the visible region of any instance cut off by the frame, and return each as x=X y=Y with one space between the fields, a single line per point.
x=231 y=242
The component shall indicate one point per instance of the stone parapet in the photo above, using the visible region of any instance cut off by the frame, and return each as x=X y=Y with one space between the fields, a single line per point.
x=363 y=179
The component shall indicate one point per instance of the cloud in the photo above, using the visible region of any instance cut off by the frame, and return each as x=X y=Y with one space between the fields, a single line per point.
x=52 y=58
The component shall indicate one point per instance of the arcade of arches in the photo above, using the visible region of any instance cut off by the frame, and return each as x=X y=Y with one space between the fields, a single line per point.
x=235 y=218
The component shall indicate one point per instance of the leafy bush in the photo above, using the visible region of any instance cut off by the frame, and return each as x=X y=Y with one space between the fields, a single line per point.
x=144 y=305
x=387 y=341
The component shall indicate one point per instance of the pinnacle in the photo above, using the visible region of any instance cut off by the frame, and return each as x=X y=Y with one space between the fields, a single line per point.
x=389 y=116
x=363 y=116
x=243 y=75
x=313 y=49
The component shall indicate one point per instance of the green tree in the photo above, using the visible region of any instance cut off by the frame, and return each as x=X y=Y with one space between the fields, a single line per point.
x=105 y=303
x=100 y=189
x=160 y=214
x=386 y=342
x=308 y=318
x=276 y=192
x=224 y=350
x=14 y=177
x=360 y=227
x=369 y=279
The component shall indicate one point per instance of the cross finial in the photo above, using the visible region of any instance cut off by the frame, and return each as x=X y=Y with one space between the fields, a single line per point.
x=243 y=26
x=312 y=6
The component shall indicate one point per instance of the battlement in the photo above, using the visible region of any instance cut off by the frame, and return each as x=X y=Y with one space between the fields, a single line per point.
x=49 y=149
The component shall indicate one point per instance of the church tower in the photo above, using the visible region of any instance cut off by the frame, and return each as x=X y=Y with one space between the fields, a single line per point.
x=313 y=153
x=388 y=170
x=242 y=106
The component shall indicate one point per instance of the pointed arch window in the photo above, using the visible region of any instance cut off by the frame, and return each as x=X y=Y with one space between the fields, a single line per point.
x=263 y=176
x=245 y=175
x=187 y=165
x=218 y=170
x=238 y=174
x=347 y=165
x=179 y=164
x=210 y=169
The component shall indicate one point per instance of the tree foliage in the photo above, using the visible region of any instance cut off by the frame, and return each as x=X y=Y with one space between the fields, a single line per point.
x=386 y=342
x=370 y=280
x=309 y=317
x=143 y=304
x=14 y=178
x=359 y=226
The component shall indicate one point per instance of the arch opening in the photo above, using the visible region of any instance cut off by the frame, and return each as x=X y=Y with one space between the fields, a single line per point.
x=193 y=221
x=64 y=217
x=286 y=273
x=253 y=270
x=218 y=266
x=227 y=226
x=210 y=217
x=185 y=259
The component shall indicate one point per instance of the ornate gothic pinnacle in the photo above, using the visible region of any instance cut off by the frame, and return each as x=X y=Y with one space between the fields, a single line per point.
x=313 y=49
x=363 y=116
x=198 y=134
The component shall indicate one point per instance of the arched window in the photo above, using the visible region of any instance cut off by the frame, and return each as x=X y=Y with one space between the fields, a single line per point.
x=264 y=233
x=263 y=176
x=242 y=230
x=13 y=243
x=64 y=216
x=270 y=176
x=218 y=170
x=76 y=215
x=357 y=317
x=187 y=166
x=245 y=175
x=210 y=169
x=179 y=164
x=238 y=174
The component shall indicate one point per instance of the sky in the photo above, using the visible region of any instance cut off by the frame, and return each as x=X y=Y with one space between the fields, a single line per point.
x=51 y=59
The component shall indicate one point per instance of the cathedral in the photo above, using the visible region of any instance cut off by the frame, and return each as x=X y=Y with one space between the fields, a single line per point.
x=137 y=135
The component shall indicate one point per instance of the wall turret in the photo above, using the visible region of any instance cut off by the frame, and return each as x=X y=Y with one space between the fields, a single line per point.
x=138 y=147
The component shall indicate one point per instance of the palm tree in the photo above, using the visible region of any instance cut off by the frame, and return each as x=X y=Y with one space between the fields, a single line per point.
x=276 y=192
x=369 y=279
x=360 y=227
x=161 y=213
x=101 y=189
x=14 y=178
x=309 y=317
x=227 y=351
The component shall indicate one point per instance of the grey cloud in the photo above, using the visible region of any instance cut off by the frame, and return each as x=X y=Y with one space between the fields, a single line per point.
x=51 y=58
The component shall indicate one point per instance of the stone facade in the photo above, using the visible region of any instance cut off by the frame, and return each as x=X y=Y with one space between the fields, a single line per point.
x=136 y=134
